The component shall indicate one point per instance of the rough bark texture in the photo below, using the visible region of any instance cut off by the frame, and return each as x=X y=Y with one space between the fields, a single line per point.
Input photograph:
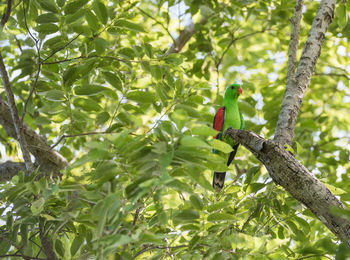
x=46 y=242
x=15 y=118
x=10 y=169
x=288 y=172
x=294 y=39
x=37 y=145
x=298 y=84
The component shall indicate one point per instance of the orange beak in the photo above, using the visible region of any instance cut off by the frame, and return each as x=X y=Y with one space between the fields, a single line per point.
x=240 y=91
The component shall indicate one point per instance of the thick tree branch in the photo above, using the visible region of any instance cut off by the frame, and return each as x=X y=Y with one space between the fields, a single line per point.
x=48 y=160
x=15 y=117
x=185 y=36
x=298 y=84
x=10 y=169
x=288 y=172
x=294 y=39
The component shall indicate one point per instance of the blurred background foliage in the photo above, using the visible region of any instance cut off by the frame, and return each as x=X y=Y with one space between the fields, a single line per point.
x=142 y=187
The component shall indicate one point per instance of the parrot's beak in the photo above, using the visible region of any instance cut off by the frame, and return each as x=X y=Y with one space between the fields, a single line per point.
x=240 y=91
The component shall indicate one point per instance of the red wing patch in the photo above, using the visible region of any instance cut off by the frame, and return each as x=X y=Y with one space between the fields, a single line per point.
x=219 y=119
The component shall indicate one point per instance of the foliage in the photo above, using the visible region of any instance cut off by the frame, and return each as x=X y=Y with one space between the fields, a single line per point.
x=142 y=187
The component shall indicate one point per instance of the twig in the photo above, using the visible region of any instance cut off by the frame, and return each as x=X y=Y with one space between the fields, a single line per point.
x=333 y=75
x=137 y=214
x=154 y=19
x=97 y=56
x=7 y=14
x=116 y=111
x=14 y=245
x=251 y=216
x=157 y=247
x=59 y=49
x=234 y=40
x=18 y=44
x=38 y=70
x=23 y=256
x=15 y=117
x=26 y=24
x=313 y=256
x=75 y=135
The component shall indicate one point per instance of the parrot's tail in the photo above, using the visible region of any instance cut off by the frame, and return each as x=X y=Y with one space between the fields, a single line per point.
x=218 y=180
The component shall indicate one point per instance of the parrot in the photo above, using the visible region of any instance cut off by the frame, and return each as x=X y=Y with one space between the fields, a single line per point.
x=227 y=116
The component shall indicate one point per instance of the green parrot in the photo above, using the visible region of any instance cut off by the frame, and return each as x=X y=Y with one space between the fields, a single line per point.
x=226 y=117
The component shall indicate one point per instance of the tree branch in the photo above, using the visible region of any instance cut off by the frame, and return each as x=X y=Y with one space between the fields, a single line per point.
x=185 y=36
x=45 y=241
x=48 y=160
x=294 y=39
x=294 y=177
x=7 y=14
x=298 y=84
x=15 y=117
x=10 y=169
x=156 y=247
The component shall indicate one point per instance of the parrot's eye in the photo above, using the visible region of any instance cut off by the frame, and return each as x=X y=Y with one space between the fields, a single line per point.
x=232 y=87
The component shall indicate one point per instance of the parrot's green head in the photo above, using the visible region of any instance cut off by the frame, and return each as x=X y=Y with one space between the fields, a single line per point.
x=233 y=91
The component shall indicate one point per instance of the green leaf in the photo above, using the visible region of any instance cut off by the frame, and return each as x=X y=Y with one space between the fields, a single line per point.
x=196 y=201
x=221 y=146
x=140 y=96
x=75 y=16
x=89 y=90
x=113 y=79
x=335 y=190
x=76 y=244
x=48 y=5
x=194 y=141
x=254 y=187
x=129 y=25
x=246 y=108
x=204 y=131
x=341 y=16
x=101 y=45
x=115 y=241
x=37 y=206
x=54 y=95
x=88 y=105
x=74 y=6
x=47 y=18
x=220 y=217
x=102 y=118
x=217 y=206
x=92 y=20
x=101 y=11
x=174 y=59
x=299 y=147
x=59 y=247
x=187 y=214
x=47 y=28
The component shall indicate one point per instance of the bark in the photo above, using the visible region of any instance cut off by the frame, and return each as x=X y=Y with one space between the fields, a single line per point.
x=298 y=84
x=47 y=159
x=185 y=36
x=294 y=39
x=10 y=169
x=288 y=172
x=15 y=118
x=46 y=242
